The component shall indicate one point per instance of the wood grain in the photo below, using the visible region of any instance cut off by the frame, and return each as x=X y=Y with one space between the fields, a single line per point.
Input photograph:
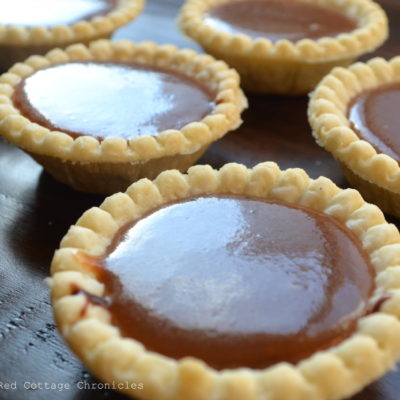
x=36 y=211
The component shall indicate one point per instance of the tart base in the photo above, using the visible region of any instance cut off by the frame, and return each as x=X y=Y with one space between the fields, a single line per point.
x=387 y=201
x=108 y=178
x=278 y=76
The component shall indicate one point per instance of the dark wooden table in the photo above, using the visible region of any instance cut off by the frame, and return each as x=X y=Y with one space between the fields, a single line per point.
x=36 y=212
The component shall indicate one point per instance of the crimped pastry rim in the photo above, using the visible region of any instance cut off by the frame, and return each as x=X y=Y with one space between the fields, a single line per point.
x=372 y=32
x=327 y=113
x=369 y=353
x=80 y=31
x=230 y=102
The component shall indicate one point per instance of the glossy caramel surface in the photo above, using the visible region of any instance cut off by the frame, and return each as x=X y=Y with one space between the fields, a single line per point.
x=279 y=19
x=104 y=99
x=52 y=12
x=237 y=282
x=374 y=115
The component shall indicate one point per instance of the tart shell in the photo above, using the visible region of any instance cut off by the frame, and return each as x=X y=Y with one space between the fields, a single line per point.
x=86 y=163
x=287 y=67
x=114 y=176
x=375 y=175
x=366 y=355
x=19 y=42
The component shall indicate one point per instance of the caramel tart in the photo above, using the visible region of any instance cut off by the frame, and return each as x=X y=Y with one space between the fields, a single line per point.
x=35 y=27
x=231 y=284
x=100 y=117
x=287 y=46
x=353 y=113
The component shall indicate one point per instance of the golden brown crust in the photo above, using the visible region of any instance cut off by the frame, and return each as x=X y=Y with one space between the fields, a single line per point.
x=287 y=67
x=368 y=354
x=377 y=175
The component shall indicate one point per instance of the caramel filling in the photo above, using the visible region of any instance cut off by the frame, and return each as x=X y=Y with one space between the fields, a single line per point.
x=236 y=282
x=374 y=116
x=103 y=100
x=279 y=19
x=53 y=12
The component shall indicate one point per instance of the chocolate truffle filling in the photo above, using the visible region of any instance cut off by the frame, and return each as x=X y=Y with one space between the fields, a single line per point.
x=235 y=281
x=279 y=19
x=53 y=12
x=104 y=99
x=374 y=116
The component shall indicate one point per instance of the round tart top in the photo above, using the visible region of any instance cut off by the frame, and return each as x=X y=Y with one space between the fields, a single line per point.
x=236 y=281
x=110 y=99
x=182 y=85
x=51 y=13
x=374 y=116
x=289 y=260
x=277 y=19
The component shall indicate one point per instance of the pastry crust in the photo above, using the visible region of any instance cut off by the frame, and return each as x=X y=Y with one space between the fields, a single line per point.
x=18 y=42
x=376 y=175
x=54 y=147
x=367 y=354
x=286 y=67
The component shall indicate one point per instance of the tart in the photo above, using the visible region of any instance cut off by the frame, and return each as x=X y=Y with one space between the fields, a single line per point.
x=353 y=113
x=100 y=117
x=25 y=28
x=287 y=46
x=231 y=284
